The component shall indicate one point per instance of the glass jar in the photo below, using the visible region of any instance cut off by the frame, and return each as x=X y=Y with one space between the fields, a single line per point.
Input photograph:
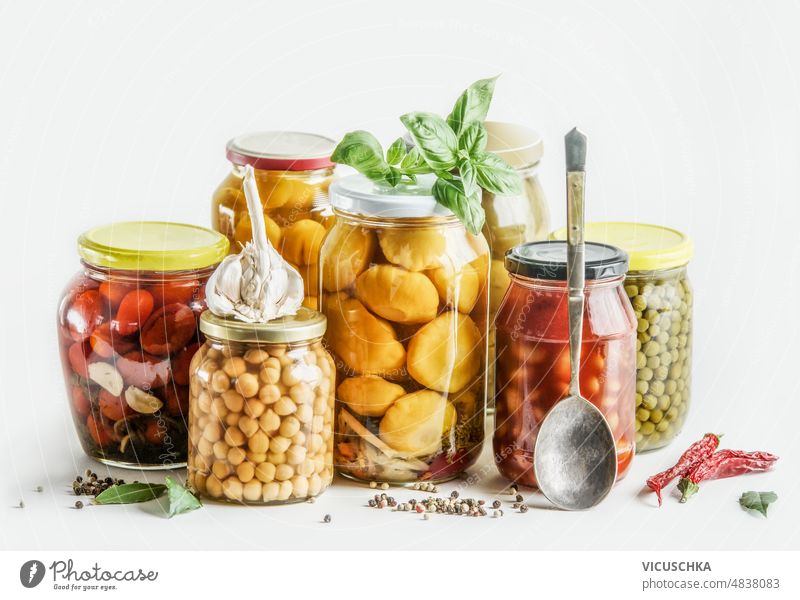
x=512 y=220
x=658 y=287
x=533 y=363
x=127 y=331
x=261 y=410
x=405 y=292
x=293 y=171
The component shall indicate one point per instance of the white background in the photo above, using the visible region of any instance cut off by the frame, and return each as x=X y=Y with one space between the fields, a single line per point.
x=120 y=110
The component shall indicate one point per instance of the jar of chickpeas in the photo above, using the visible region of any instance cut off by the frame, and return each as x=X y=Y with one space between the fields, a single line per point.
x=261 y=410
x=658 y=287
x=293 y=171
x=405 y=291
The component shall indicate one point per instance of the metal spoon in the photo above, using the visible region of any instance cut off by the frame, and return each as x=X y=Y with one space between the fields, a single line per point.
x=575 y=458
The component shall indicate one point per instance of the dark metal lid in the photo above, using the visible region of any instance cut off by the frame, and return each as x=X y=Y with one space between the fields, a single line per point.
x=548 y=260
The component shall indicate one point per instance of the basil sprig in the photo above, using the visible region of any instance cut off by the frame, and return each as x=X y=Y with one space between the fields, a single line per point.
x=453 y=148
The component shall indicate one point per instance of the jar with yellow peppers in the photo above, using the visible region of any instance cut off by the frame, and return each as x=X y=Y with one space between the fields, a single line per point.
x=293 y=171
x=658 y=287
x=405 y=292
x=512 y=219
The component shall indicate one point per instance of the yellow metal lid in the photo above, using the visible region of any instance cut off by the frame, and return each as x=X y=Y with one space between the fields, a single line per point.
x=649 y=247
x=152 y=246
x=306 y=325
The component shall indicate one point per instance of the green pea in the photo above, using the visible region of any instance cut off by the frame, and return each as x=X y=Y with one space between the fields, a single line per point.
x=642 y=325
x=642 y=387
x=651 y=315
x=662 y=338
x=631 y=290
x=657 y=388
x=647 y=428
x=638 y=425
x=676 y=399
x=638 y=400
x=662 y=426
x=643 y=337
x=649 y=402
x=675 y=371
x=639 y=438
x=670 y=386
x=665 y=358
x=645 y=374
x=653 y=362
x=656 y=416
x=639 y=303
x=661 y=373
x=653 y=331
x=639 y=344
x=641 y=360
x=655 y=437
x=672 y=413
x=651 y=348
x=643 y=414
x=663 y=402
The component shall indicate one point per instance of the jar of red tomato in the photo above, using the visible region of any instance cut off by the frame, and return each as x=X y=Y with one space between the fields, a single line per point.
x=127 y=330
x=533 y=364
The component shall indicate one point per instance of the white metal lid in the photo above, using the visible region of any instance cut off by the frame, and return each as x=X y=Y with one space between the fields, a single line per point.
x=359 y=195
x=518 y=145
x=284 y=150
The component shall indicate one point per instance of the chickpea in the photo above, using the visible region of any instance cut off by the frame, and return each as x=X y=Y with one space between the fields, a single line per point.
x=232 y=488
x=299 y=439
x=270 y=491
x=248 y=425
x=279 y=444
x=220 y=450
x=290 y=426
x=234 y=437
x=205 y=448
x=276 y=458
x=256 y=457
x=314 y=485
x=270 y=374
x=218 y=409
x=285 y=490
x=284 y=406
x=284 y=472
x=290 y=376
x=231 y=419
x=301 y=393
x=254 y=408
x=259 y=442
x=317 y=423
x=233 y=401
x=204 y=401
x=247 y=385
x=265 y=472
x=256 y=356
x=236 y=456
x=234 y=366
x=295 y=455
x=269 y=393
x=269 y=421
x=220 y=382
x=214 y=487
x=221 y=469
x=245 y=472
x=198 y=482
x=306 y=469
x=299 y=486
x=316 y=443
x=252 y=490
x=304 y=413
x=212 y=432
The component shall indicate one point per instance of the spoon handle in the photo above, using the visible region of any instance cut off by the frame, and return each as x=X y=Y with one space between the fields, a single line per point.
x=575 y=145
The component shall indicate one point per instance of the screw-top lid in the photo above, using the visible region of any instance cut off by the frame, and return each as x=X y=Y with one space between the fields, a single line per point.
x=152 y=246
x=358 y=195
x=281 y=150
x=548 y=260
x=650 y=247
x=518 y=145
x=306 y=325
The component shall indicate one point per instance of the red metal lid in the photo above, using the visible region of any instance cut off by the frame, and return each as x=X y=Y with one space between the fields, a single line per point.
x=281 y=150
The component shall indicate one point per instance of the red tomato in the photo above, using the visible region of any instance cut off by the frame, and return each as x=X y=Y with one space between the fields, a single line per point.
x=113 y=407
x=83 y=315
x=113 y=293
x=101 y=433
x=155 y=432
x=168 y=329
x=177 y=400
x=77 y=354
x=142 y=370
x=181 y=362
x=170 y=292
x=80 y=401
x=134 y=310
x=104 y=343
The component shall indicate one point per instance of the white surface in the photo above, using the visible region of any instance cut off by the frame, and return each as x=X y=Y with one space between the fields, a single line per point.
x=112 y=111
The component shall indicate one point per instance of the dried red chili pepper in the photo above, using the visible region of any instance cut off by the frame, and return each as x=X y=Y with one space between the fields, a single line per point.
x=693 y=456
x=725 y=463
x=168 y=329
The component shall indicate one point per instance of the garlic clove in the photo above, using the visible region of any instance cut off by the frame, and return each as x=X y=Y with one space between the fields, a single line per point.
x=141 y=401
x=106 y=376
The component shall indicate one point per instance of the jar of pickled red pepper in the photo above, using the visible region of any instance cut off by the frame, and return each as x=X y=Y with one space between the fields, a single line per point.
x=405 y=291
x=127 y=330
x=512 y=219
x=261 y=410
x=659 y=290
x=533 y=362
x=293 y=171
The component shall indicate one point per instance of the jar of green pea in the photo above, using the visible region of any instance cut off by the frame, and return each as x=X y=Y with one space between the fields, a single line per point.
x=658 y=287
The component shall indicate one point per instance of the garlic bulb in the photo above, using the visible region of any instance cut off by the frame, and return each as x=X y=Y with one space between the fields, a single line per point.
x=256 y=285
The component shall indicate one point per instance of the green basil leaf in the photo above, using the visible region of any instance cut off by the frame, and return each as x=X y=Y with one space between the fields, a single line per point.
x=472 y=105
x=496 y=175
x=129 y=493
x=362 y=151
x=393 y=176
x=396 y=152
x=757 y=501
x=473 y=139
x=450 y=194
x=181 y=500
x=437 y=143
x=414 y=163
x=446 y=175
x=467 y=173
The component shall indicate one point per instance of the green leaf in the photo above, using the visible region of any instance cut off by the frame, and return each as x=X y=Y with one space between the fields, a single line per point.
x=396 y=152
x=129 y=493
x=496 y=175
x=362 y=151
x=437 y=143
x=472 y=106
x=757 y=501
x=687 y=488
x=393 y=176
x=450 y=194
x=467 y=173
x=414 y=163
x=473 y=139
x=181 y=500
